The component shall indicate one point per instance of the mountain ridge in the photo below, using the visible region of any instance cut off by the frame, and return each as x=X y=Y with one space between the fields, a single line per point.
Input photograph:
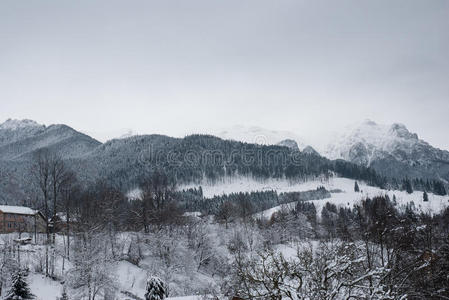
x=391 y=151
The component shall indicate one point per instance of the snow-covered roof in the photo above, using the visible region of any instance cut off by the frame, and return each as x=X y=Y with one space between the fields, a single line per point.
x=21 y=210
x=63 y=217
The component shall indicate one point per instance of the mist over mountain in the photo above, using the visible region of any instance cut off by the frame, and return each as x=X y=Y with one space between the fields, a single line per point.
x=259 y=135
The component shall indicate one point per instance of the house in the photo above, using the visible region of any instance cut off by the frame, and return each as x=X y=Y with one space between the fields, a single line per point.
x=21 y=219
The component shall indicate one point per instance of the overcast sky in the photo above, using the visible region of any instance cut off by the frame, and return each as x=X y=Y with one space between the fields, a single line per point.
x=176 y=67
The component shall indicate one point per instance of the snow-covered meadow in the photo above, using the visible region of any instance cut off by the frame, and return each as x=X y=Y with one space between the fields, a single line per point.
x=342 y=192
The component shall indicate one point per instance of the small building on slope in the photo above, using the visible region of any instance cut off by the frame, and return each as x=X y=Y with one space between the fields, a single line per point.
x=21 y=219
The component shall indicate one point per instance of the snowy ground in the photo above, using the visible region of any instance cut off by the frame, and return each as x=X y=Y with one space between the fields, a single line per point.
x=47 y=289
x=347 y=197
x=132 y=278
x=44 y=288
x=247 y=184
x=129 y=277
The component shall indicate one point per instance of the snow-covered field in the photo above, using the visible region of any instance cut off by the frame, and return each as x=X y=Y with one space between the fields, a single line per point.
x=347 y=196
x=247 y=184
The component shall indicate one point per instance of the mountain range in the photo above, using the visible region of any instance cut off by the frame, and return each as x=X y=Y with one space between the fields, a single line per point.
x=392 y=151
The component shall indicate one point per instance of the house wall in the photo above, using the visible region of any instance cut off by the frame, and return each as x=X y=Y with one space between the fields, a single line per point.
x=41 y=226
x=20 y=223
x=1 y=221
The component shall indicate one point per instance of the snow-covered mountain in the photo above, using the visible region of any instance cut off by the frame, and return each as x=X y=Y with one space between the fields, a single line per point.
x=390 y=149
x=15 y=130
x=21 y=138
x=259 y=135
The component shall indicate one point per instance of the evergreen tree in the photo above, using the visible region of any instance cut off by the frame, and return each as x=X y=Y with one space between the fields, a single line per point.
x=438 y=188
x=155 y=289
x=407 y=185
x=356 y=187
x=425 y=197
x=19 y=289
x=394 y=200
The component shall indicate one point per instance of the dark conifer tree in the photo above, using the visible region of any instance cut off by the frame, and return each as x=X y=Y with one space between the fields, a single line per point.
x=156 y=289
x=19 y=289
x=407 y=186
x=356 y=187
x=425 y=197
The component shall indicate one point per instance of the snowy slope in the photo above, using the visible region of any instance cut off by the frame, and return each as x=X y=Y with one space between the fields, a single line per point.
x=47 y=289
x=373 y=138
x=347 y=197
x=247 y=184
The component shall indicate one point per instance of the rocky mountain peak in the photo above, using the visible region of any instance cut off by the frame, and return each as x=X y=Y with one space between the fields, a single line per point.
x=390 y=149
x=15 y=124
x=310 y=150
x=401 y=131
x=289 y=143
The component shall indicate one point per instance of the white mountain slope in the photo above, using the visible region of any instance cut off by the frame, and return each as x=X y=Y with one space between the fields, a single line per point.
x=259 y=135
x=347 y=197
x=373 y=138
x=390 y=149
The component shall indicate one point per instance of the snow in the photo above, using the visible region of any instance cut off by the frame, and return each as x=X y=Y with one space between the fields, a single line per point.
x=131 y=278
x=348 y=198
x=247 y=184
x=375 y=137
x=13 y=124
x=44 y=288
x=47 y=289
x=193 y=214
x=21 y=210
x=134 y=194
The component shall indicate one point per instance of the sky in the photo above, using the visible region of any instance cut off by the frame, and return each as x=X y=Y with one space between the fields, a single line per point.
x=177 y=67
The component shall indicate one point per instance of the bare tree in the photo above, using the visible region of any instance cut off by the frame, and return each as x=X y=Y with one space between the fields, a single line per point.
x=157 y=191
x=41 y=172
x=69 y=188
x=58 y=175
x=226 y=212
x=268 y=275
x=244 y=207
x=92 y=272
